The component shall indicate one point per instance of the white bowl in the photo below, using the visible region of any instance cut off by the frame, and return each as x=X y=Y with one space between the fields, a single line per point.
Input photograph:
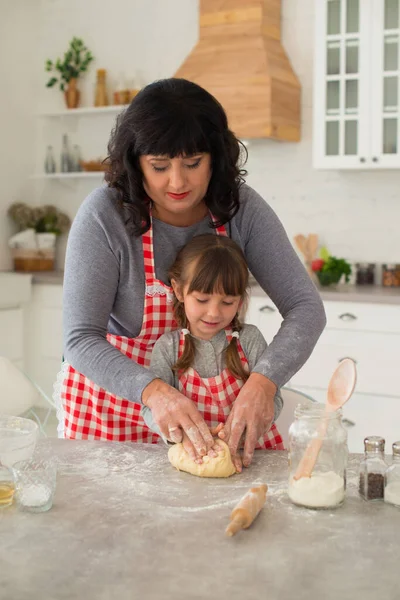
x=18 y=438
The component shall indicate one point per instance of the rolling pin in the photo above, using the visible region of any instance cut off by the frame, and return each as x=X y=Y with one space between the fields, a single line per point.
x=247 y=509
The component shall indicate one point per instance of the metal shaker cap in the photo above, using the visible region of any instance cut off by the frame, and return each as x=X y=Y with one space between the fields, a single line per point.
x=396 y=448
x=374 y=443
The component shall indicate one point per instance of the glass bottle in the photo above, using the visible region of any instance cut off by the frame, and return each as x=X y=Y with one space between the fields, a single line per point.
x=50 y=163
x=326 y=486
x=76 y=158
x=65 y=162
x=100 y=98
x=392 y=478
x=7 y=486
x=372 y=469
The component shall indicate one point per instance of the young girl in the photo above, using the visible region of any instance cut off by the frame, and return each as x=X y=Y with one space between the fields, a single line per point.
x=212 y=354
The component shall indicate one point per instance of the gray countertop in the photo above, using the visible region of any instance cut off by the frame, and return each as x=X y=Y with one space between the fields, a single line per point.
x=126 y=525
x=344 y=293
x=375 y=294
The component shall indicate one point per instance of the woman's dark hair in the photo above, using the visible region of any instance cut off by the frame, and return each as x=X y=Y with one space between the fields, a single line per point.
x=174 y=117
x=210 y=263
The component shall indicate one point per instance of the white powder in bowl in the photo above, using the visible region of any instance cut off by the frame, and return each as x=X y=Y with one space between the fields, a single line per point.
x=392 y=493
x=34 y=495
x=321 y=490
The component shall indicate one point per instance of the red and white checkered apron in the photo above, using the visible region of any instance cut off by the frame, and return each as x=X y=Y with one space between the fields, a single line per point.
x=214 y=396
x=90 y=412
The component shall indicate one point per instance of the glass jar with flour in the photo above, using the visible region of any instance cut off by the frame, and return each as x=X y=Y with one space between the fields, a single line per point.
x=315 y=431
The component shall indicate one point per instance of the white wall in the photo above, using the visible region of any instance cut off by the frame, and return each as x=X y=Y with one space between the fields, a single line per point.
x=357 y=214
x=18 y=90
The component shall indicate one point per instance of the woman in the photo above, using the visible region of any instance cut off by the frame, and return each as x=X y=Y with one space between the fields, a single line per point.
x=174 y=173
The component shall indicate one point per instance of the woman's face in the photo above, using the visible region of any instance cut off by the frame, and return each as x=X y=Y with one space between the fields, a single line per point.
x=177 y=186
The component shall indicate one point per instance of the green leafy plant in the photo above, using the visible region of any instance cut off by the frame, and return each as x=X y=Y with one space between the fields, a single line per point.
x=75 y=61
x=43 y=219
x=330 y=269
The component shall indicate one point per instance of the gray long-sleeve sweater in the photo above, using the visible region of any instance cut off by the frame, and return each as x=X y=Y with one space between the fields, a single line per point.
x=104 y=288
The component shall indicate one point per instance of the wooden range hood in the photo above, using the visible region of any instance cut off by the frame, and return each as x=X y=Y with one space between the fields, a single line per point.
x=240 y=60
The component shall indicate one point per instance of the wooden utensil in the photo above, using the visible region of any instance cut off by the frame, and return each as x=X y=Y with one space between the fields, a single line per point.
x=340 y=389
x=247 y=509
x=308 y=246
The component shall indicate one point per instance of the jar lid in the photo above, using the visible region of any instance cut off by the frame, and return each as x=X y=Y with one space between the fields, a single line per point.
x=396 y=448
x=374 y=443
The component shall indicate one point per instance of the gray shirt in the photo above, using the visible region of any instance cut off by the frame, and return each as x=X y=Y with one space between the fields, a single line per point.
x=104 y=288
x=209 y=360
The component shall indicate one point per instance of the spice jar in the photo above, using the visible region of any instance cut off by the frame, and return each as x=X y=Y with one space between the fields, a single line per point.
x=392 y=478
x=391 y=275
x=372 y=469
x=325 y=488
x=365 y=273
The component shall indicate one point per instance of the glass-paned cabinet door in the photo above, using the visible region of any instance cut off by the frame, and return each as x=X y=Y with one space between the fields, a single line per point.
x=341 y=82
x=386 y=83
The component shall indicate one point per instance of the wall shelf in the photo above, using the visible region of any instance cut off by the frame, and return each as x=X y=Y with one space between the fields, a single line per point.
x=85 y=110
x=77 y=175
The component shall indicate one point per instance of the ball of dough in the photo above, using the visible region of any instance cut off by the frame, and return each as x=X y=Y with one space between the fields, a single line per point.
x=219 y=466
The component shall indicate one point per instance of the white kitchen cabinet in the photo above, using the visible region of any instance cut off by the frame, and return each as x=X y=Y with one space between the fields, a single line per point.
x=369 y=334
x=356 y=84
x=263 y=313
x=15 y=294
x=44 y=335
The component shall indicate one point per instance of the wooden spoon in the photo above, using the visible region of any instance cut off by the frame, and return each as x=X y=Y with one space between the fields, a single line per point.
x=340 y=389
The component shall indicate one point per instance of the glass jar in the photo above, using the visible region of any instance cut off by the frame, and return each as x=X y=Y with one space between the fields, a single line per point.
x=372 y=469
x=365 y=273
x=326 y=485
x=391 y=275
x=392 y=478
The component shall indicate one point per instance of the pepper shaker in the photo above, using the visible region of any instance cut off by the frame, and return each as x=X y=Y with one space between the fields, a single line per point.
x=392 y=478
x=372 y=469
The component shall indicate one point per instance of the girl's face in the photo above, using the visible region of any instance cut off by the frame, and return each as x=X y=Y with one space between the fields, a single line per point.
x=207 y=314
x=177 y=186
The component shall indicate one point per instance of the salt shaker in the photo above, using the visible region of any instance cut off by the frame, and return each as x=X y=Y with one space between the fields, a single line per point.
x=372 y=469
x=392 y=478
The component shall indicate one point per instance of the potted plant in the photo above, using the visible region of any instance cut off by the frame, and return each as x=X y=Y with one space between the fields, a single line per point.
x=329 y=269
x=75 y=62
x=33 y=247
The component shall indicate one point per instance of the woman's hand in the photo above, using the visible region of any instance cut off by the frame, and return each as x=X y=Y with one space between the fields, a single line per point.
x=251 y=415
x=178 y=418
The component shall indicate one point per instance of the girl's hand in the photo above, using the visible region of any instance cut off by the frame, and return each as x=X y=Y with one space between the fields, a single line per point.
x=252 y=415
x=176 y=416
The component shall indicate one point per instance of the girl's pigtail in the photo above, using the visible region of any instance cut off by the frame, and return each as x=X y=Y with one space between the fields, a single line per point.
x=189 y=349
x=233 y=362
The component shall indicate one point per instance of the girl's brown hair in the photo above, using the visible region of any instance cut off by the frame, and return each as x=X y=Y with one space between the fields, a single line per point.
x=211 y=264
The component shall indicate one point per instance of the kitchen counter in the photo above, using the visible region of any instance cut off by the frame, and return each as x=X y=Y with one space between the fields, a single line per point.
x=126 y=525
x=344 y=292
x=375 y=294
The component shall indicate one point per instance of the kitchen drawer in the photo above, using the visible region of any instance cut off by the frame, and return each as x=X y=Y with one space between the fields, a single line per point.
x=263 y=313
x=365 y=415
x=353 y=316
x=376 y=355
x=12 y=333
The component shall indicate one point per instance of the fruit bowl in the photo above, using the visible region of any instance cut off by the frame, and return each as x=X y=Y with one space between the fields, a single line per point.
x=18 y=438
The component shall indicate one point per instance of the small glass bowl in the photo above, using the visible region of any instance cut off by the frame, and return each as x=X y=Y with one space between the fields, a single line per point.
x=35 y=484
